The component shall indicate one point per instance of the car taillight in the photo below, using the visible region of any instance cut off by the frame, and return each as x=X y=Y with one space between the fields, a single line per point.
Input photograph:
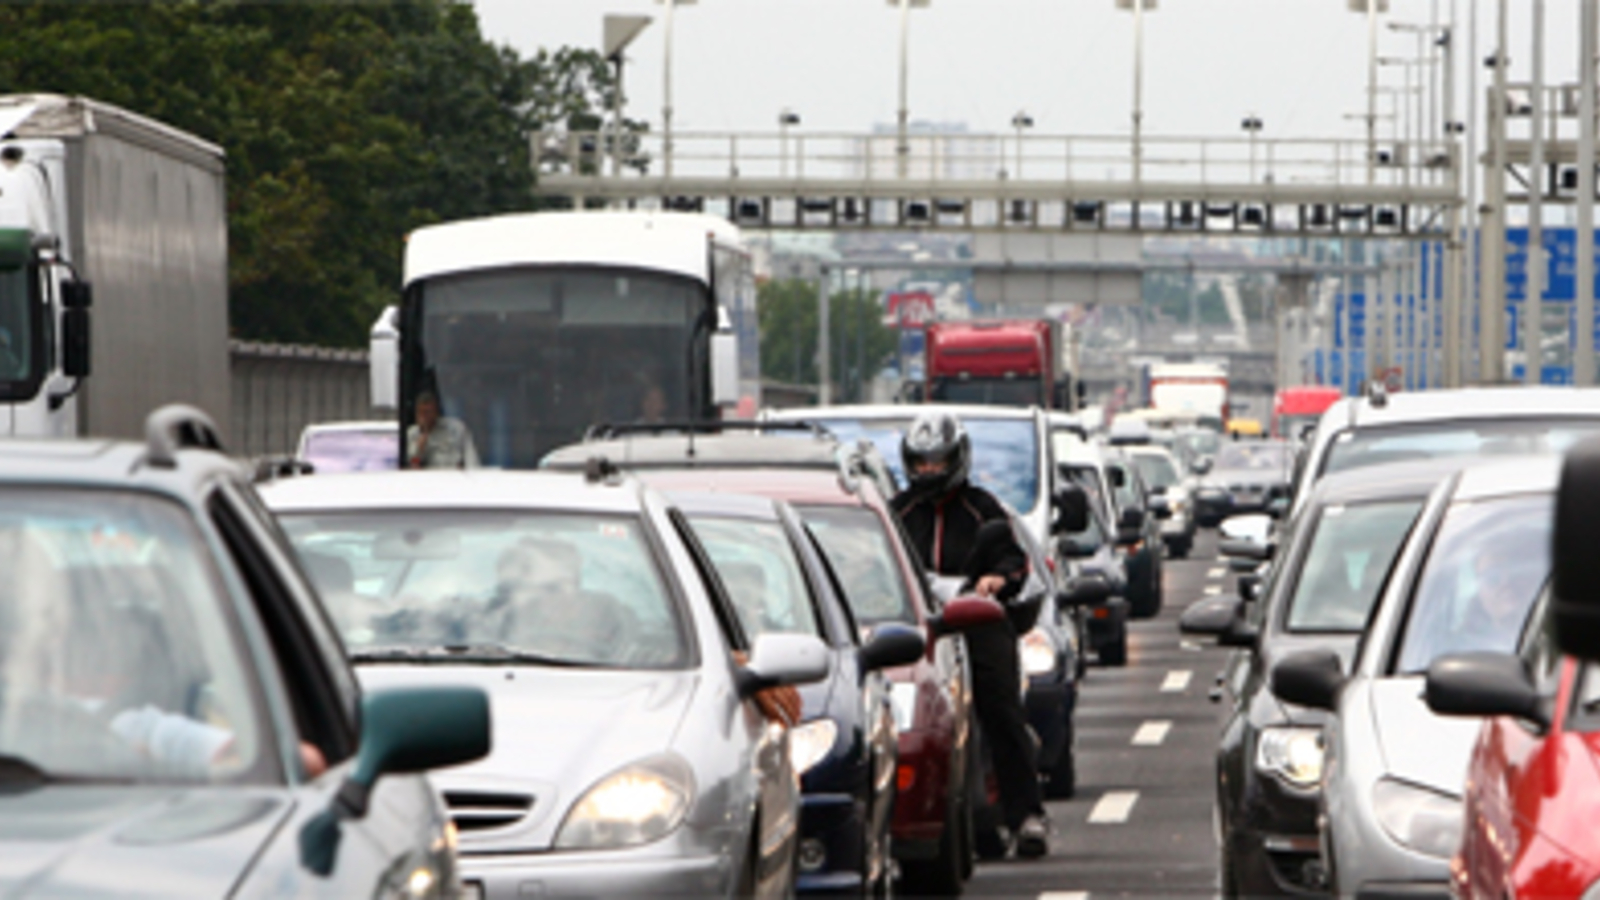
x=906 y=777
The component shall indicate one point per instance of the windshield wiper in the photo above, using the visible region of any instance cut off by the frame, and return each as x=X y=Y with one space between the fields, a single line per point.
x=19 y=770
x=462 y=653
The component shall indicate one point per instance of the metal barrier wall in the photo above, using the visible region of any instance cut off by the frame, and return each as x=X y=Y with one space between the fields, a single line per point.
x=278 y=389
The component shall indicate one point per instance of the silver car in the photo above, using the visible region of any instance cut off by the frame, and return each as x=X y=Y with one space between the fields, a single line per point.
x=1394 y=771
x=631 y=755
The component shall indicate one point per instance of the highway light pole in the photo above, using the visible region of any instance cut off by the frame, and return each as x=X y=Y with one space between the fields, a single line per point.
x=1371 y=8
x=1583 y=363
x=1492 y=287
x=1138 y=7
x=617 y=32
x=1533 y=303
x=1252 y=125
x=1021 y=122
x=666 y=84
x=902 y=148
x=786 y=119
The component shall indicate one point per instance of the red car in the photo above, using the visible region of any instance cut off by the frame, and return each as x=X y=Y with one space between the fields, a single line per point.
x=932 y=699
x=1533 y=784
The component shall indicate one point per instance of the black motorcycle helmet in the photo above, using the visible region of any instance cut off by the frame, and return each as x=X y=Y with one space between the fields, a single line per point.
x=936 y=436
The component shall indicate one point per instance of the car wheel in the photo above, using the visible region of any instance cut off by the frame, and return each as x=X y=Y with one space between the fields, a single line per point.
x=1116 y=652
x=941 y=876
x=1179 y=549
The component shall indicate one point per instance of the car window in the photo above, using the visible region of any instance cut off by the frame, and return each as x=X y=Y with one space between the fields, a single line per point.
x=1488 y=562
x=1157 y=469
x=1347 y=563
x=118 y=657
x=352 y=451
x=1254 y=455
x=1396 y=443
x=759 y=569
x=858 y=548
x=569 y=588
x=1005 y=452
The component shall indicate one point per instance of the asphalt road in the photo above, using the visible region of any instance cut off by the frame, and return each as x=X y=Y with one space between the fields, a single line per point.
x=1141 y=823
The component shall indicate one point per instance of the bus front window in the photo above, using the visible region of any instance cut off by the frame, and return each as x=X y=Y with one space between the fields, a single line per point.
x=527 y=359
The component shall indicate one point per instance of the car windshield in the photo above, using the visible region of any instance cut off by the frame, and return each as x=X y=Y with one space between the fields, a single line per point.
x=352 y=450
x=1005 y=452
x=563 y=589
x=1348 y=562
x=1485 y=569
x=1156 y=469
x=759 y=569
x=859 y=550
x=117 y=659
x=1258 y=455
x=1432 y=440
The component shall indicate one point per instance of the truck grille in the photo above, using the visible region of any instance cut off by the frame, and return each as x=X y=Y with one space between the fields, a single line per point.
x=482 y=811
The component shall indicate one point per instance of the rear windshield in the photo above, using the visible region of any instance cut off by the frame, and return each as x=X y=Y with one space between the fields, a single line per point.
x=1434 y=440
x=1254 y=455
x=1347 y=564
x=859 y=550
x=1156 y=469
x=353 y=451
x=1486 y=568
x=1005 y=452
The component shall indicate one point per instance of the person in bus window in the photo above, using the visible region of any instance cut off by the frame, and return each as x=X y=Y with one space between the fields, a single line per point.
x=436 y=441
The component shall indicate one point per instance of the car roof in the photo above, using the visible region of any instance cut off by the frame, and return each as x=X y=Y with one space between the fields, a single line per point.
x=702 y=451
x=1465 y=403
x=802 y=486
x=453 y=489
x=1512 y=475
x=872 y=411
x=732 y=506
x=369 y=425
x=109 y=464
x=1402 y=479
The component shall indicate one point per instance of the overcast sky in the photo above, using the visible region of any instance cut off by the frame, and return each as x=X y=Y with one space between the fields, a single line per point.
x=1300 y=65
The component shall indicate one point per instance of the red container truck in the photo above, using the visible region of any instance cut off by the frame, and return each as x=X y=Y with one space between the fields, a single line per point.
x=1004 y=362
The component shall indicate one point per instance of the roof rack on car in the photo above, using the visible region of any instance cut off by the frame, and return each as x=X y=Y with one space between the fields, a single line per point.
x=600 y=470
x=178 y=426
x=605 y=431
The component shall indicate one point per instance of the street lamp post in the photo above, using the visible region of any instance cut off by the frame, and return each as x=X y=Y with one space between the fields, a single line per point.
x=786 y=119
x=666 y=84
x=1371 y=8
x=1138 y=7
x=1583 y=364
x=617 y=33
x=1252 y=124
x=902 y=149
x=1533 y=304
x=1021 y=122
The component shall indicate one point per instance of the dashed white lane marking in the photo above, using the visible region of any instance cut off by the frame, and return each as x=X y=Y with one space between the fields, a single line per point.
x=1176 y=681
x=1218 y=572
x=1190 y=646
x=1064 y=895
x=1152 y=733
x=1113 y=808
x=1213 y=590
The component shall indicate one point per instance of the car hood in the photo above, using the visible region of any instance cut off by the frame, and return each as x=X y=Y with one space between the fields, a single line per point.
x=144 y=841
x=1417 y=745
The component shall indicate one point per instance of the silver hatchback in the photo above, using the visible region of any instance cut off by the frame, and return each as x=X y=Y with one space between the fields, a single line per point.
x=630 y=754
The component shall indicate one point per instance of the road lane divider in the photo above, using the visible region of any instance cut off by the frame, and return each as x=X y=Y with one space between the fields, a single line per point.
x=1218 y=572
x=1177 y=681
x=1152 y=733
x=1213 y=590
x=1113 y=808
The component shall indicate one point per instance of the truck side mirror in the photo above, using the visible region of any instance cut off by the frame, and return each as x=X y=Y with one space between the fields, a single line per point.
x=1575 y=580
x=724 y=368
x=383 y=360
x=75 y=342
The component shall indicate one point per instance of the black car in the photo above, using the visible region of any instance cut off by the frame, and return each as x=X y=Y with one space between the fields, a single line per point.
x=1330 y=565
x=845 y=746
x=1245 y=476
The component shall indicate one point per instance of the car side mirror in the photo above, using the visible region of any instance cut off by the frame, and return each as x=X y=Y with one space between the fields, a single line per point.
x=1309 y=678
x=1132 y=519
x=1484 y=684
x=1159 y=506
x=1071 y=509
x=1119 y=478
x=1210 y=616
x=780 y=659
x=1086 y=590
x=403 y=730
x=965 y=613
x=1575 y=579
x=76 y=348
x=892 y=644
x=1201 y=466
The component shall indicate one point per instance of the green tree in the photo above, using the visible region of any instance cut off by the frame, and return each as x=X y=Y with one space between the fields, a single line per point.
x=859 y=343
x=346 y=125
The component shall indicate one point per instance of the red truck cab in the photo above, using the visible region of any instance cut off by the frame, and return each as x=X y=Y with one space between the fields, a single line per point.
x=1005 y=362
x=1298 y=407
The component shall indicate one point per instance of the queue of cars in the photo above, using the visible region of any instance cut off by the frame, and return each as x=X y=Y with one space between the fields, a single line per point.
x=1407 y=594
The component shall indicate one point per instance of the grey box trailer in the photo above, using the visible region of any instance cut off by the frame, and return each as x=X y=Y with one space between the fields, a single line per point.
x=140 y=210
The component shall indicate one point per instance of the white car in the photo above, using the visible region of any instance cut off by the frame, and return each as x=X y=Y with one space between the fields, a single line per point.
x=350 y=446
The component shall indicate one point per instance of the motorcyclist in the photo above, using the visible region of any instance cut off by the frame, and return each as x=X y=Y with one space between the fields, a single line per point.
x=943 y=514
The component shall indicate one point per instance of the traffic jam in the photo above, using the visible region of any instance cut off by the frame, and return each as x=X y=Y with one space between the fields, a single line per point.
x=544 y=634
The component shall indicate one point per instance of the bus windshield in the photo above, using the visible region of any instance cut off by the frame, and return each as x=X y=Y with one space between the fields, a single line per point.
x=527 y=359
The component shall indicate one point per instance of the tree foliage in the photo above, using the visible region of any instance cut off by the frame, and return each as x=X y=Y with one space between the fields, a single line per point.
x=346 y=125
x=859 y=343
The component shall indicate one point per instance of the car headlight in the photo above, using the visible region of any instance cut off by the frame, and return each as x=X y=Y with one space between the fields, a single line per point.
x=1420 y=818
x=1038 y=653
x=903 y=703
x=642 y=803
x=1291 y=754
x=810 y=743
x=412 y=878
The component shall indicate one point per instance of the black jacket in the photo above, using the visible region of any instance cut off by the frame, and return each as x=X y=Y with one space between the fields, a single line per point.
x=947 y=530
